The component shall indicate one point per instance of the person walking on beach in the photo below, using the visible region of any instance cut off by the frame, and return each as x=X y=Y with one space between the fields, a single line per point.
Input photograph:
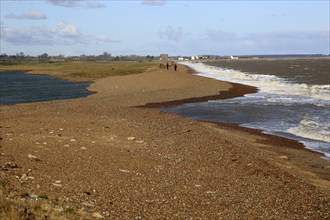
x=175 y=67
x=166 y=65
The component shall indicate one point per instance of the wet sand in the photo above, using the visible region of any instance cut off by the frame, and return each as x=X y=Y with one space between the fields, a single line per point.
x=104 y=154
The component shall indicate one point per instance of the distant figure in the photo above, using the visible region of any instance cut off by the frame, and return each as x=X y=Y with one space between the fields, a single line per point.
x=166 y=65
x=175 y=67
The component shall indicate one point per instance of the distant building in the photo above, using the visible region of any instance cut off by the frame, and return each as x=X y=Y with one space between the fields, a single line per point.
x=194 y=58
x=163 y=56
x=233 y=58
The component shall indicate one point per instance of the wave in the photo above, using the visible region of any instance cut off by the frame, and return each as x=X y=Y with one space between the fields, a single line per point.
x=281 y=107
x=312 y=130
x=266 y=83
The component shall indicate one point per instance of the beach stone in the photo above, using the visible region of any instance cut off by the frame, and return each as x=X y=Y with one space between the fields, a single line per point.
x=88 y=204
x=97 y=215
x=58 y=209
x=284 y=157
x=24 y=176
x=32 y=157
x=124 y=171
x=9 y=165
x=131 y=138
x=57 y=184
x=35 y=197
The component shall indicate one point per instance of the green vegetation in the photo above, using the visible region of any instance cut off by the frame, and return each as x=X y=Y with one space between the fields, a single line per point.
x=81 y=71
x=16 y=208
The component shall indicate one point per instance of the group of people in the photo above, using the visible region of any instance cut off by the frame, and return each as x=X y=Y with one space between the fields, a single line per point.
x=175 y=66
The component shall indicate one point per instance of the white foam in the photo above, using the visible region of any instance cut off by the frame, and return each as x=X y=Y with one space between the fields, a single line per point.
x=312 y=130
x=266 y=83
x=310 y=125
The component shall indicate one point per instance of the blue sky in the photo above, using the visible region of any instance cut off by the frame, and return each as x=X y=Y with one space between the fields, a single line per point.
x=151 y=27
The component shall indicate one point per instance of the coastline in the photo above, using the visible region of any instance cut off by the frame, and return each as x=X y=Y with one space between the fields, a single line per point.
x=110 y=157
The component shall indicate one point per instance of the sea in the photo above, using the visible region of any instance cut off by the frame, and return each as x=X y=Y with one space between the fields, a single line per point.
x=293 y=99
x=18 y=87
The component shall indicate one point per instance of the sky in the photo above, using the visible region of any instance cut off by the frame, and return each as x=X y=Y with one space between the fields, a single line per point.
x=152 y=27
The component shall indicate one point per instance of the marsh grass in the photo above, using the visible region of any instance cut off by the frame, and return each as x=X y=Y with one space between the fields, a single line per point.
x=17 y=209
x=82 y=71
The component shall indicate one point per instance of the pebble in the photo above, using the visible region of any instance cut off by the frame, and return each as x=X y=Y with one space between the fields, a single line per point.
x=284 y=157
x=97 y=215
x=88 y=204
x=57 y=184
x=131 y=138
x=32 y=157
x=58 y=209
x=32 y=196
x=124 y=171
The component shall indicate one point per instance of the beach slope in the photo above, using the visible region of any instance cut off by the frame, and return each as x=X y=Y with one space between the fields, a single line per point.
x=115 y=155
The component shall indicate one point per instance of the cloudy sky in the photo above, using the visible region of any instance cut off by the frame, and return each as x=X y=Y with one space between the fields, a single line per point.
x=151 y=27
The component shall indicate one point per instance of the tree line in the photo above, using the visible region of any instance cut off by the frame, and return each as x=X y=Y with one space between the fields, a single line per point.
x=45 y=58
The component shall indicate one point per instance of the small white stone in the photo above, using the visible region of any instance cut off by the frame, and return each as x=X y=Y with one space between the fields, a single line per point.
x=32 y=157
x=124 y=171
x=97 y=215
x=131 y=138
x=57 y=185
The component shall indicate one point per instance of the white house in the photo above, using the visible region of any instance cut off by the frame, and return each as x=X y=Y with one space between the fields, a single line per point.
x=194 y=58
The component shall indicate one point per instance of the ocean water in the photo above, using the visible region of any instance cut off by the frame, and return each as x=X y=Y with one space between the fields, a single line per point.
x=293 y=99
x=17 y=87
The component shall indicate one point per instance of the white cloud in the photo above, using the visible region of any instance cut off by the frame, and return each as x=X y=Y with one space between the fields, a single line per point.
x=77 y=3
x=60 y=34
x=172 y=34
x=67 y=30
x=104 y=38
x=33 y=14
x=154 y=2
x=65 y=3
x=281 y=42
x=94 y=5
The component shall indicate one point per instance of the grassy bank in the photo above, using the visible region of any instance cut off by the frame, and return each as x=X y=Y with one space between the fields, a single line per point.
x=82 y=71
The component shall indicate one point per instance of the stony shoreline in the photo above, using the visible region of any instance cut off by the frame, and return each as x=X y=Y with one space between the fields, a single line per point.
x=104 y=156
